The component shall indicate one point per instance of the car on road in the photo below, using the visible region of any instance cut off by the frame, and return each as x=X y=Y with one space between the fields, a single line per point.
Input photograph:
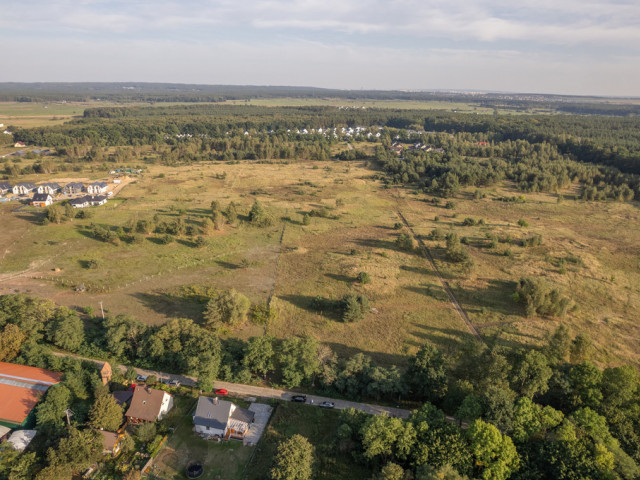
x=141 y=378
x=174 y=383
x=299 y=398
x=222 y=391
x=326 y=404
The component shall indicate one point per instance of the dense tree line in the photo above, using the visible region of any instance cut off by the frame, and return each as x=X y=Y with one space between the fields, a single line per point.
x=519 y=413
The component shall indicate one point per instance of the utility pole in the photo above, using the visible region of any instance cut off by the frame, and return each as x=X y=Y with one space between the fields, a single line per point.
x=69 y=415
x=102 y=310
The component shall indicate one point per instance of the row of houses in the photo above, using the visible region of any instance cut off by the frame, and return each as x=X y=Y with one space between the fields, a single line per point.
x=53 y=188
x=45 y=199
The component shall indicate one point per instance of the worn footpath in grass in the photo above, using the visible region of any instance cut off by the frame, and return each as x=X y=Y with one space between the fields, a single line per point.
x=317 y=425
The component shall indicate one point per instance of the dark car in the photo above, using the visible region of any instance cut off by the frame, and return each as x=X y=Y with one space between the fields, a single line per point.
x=299 y=398
x=326 y=404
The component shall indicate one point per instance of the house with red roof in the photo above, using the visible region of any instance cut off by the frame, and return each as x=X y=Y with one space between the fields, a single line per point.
x=21 y=388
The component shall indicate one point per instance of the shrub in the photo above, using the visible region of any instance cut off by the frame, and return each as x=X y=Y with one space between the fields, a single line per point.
x=354 y=307
x=541 y=298
x=166 y=239
x=523 y=223
x=200 y=242
x=397 y=226
x=405 y=242
x=228 y=307
x=532 y=241
x=363 y=278
x=450 y=205
x=306 y=219
x=469 y=222
x=259 y=217
x=93 y=263
x=455 y=252
x=436 y=234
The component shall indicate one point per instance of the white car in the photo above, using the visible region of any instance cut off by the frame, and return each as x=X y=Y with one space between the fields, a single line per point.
x=141 y=378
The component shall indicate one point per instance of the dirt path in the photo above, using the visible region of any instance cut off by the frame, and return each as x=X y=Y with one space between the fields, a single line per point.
x=445 y=285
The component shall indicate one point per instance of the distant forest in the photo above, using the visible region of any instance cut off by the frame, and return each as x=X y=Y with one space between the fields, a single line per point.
x=168 y=92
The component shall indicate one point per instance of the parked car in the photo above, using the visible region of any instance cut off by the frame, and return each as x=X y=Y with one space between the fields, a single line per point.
x=299 y=398
x=326 y=404
x=222 y=391
x=141 y=378
x=174 y=383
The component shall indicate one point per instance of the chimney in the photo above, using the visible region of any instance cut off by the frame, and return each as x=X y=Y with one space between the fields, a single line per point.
x=215 y=401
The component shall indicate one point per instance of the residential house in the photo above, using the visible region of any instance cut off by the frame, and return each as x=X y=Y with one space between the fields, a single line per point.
x=105 y=373
x=148 y=405
x=111 y=442
x=23 y=188
x=222 y=419
x=97 y=187
x=21 y=388
x=82 y=202
x=19 y=144
x=123 y=397
x=50 y=188
x=97 y=200
x=5 y=188
x=21 y=439
x=73 y=188
x=41 y=200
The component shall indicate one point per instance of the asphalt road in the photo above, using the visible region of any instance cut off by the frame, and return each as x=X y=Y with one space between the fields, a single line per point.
x=264 y=392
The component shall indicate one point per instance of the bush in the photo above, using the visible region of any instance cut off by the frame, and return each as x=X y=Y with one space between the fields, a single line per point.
x=306 y=219
x=354 y=307
x=363 y=278
x=228 y=307
x=532 y=241
x=450 y=205
x=200 y=242
x=523 y=223
x=397 y=226
x=455 y=252
x=541 y=298
x=93 y=263
x=405 y=242
x=258 y=216
x=166 y=239
x=469 y=222
x=437 y=234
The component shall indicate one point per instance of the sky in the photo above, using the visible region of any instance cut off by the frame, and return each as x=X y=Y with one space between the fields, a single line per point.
x=580 y=47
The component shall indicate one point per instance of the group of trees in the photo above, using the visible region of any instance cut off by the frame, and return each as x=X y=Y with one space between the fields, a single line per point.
x=520 y=413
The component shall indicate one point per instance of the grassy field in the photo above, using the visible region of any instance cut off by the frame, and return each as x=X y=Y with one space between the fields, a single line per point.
x=589 y=249
x=319 y=427
x=293 y=263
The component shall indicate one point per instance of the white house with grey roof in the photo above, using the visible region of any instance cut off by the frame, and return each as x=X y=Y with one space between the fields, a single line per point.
x=97 y=187
x=222 y=419
x=23 y=188
x=50 y=188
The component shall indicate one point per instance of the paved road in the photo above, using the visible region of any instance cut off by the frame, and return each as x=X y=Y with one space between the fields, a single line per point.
x=263 y=392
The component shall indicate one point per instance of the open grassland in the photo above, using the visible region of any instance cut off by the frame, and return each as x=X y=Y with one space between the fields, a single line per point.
x=589 y=249
x=319 y=259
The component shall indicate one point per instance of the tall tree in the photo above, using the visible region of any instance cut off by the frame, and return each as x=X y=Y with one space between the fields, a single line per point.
x=495 y=455
x=293 y=460
x=106 y=413
x=427 y=373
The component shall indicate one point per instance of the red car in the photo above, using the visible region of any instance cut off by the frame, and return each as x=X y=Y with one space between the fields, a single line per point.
x=222 y=391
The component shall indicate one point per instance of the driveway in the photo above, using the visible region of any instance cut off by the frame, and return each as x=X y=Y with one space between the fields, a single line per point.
x=263 y=412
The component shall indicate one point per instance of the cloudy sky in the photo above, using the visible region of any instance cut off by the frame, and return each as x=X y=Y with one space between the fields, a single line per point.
x=546 y=46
